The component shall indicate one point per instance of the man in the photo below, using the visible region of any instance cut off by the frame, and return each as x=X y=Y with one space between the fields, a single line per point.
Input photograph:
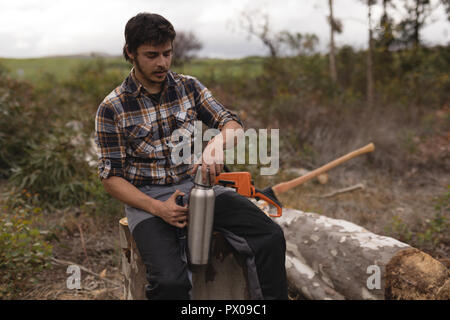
x=134 y=125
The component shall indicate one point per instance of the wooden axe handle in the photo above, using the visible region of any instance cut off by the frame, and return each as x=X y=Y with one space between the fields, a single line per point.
x=285 y=186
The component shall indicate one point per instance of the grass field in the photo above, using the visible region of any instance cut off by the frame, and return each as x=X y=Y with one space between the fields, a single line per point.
x=61 y=67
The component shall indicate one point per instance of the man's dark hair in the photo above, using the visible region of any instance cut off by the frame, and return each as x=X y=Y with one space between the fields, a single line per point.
x=147 y=28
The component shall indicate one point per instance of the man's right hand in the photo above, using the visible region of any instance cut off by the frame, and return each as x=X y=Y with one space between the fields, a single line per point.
x=170 y=212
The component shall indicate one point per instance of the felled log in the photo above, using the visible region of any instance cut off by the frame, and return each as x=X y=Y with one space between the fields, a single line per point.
x=224 y=278
x=335 y=259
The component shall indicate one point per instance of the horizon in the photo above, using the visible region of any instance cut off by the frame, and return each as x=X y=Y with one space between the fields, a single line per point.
x=93 y=54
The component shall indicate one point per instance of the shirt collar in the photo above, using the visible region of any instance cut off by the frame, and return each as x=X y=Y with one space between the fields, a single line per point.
x=133 y=86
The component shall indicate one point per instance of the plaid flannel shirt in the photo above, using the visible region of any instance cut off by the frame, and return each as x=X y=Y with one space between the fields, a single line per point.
x=133 y=135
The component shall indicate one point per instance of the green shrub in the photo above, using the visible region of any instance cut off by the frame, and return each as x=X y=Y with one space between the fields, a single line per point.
x=56 y=169
x=16 y=114
x=23 y=249
x=99 y=201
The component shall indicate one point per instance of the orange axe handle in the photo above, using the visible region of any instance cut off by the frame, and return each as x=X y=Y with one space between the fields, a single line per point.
x=285 y=186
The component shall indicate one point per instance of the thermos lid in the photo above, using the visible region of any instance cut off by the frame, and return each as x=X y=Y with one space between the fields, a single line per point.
x=198 y=178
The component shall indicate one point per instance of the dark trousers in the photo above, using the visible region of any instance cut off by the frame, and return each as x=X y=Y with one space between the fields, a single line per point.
x=247 y=229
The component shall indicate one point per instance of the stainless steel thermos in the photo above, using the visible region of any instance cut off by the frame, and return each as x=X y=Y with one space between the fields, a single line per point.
x=201 y=218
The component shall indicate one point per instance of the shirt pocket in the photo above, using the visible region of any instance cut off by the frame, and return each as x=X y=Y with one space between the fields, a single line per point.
x=183 y=138
x=185 y=117
x=185 y=120
x=141 y=142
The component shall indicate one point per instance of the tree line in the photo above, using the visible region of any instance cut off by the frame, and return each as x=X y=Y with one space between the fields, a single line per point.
x=384 y=36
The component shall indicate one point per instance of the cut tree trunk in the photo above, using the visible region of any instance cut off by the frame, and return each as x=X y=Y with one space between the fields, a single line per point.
x=133 y=269
x=224 y=278
x=335 y=259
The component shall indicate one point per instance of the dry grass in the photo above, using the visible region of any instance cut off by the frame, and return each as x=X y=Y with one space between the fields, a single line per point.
x=91 y=242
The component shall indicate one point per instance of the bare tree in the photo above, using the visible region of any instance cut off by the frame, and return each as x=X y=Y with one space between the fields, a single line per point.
x=256 y=23
x=418 y=14
x=335 y=26
x=370 y=93
x=384 y=34
x=185 y=44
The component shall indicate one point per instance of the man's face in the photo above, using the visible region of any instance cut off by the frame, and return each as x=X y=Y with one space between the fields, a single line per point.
x=153 y=62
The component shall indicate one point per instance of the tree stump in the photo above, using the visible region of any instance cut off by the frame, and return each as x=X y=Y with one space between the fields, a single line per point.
x=224 y=278
x=335 y=259
x=133 y=269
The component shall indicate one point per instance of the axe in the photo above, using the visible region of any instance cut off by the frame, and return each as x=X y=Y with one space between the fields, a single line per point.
x=241 y=181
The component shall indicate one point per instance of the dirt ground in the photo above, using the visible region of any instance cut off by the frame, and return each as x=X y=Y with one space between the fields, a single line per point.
x=385 y=205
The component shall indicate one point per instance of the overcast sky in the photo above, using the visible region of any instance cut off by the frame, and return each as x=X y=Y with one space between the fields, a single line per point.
x=36 y=28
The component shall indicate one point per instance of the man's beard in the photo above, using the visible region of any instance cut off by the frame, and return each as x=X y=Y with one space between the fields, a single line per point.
x=145 y=76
